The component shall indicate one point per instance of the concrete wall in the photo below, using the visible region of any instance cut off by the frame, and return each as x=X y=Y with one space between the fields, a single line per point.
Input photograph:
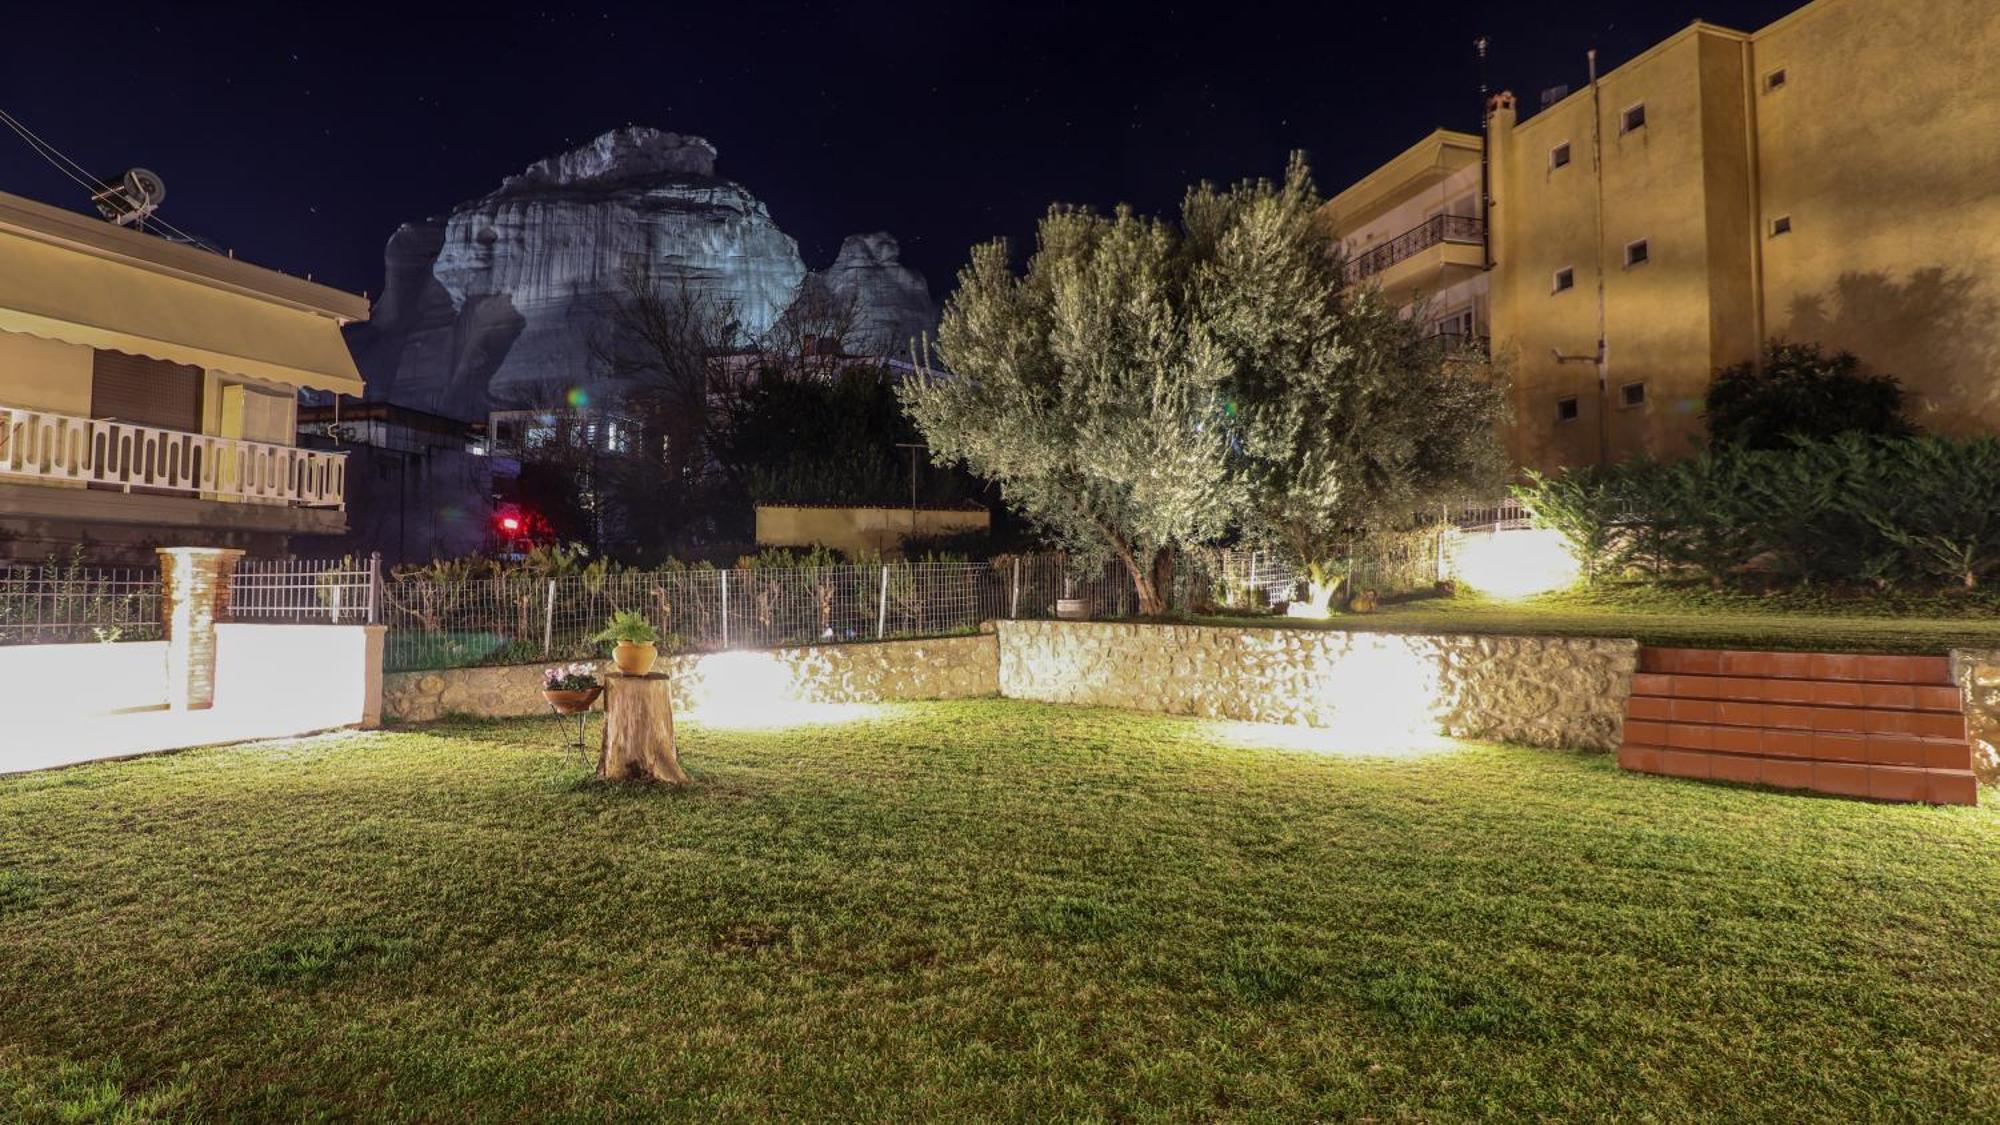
x=83 y=678
x=302 y=677
x=1883 y=146
x=861 y=531
x=940 y=668
x=1542 y=691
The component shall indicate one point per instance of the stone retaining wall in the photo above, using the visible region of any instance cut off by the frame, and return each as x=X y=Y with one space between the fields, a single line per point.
x=939 y=668
x=1977 y=671
x=1542 y=691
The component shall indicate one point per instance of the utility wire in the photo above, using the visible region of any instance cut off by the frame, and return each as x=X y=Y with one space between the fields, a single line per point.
x=81 y=175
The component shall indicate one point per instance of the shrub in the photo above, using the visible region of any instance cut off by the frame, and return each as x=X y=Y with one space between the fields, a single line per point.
x=1848 y=509
x=1799 y=393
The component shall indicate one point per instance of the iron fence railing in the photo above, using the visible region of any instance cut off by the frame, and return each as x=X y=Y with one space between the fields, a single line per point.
x=1423 y=236
x=334 y=591
x=57 y=604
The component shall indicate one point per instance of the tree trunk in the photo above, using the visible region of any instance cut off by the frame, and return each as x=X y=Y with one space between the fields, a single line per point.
x=1163 y=580
x=639 y=731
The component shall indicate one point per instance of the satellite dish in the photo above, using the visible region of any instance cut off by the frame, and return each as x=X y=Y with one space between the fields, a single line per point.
x=136 y=195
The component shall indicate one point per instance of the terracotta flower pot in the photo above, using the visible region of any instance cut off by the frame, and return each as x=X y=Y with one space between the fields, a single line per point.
x=635 y=659
x=572 y=702
x=1073 y=609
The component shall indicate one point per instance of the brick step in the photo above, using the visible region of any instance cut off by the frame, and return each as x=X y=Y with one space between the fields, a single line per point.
x=1890 y=728
x=1798 y=692
x=1838 y=666
x=1887 y=749
x=1841 y=778
x=1784 y=716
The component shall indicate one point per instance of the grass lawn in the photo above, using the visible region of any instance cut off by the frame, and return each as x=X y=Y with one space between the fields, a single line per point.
x=986 y=909
x=1697 y=618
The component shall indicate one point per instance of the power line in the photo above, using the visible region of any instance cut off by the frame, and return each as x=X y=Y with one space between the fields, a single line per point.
x=82 y=176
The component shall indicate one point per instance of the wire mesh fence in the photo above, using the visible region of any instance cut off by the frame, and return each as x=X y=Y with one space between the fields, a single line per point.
x=58 y=604
x=454 y=621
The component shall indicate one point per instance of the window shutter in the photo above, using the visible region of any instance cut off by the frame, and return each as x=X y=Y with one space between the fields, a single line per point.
x=149 y=392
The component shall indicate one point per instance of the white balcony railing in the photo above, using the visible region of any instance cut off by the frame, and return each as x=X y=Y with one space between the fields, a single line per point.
x=40 y=445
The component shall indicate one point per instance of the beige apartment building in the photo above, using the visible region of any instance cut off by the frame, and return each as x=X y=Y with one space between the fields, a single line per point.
x=1831 y=177
x=148 y=391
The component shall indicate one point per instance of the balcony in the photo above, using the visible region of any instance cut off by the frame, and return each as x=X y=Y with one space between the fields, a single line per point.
x=1429 y=255
x=41 y=447
x=1462 y=346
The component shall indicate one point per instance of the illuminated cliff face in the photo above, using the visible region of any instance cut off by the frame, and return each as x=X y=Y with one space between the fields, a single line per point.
x=495 y=304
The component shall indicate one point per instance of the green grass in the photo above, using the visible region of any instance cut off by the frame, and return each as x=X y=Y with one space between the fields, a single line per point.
x=1697 y=617
x=980 y=910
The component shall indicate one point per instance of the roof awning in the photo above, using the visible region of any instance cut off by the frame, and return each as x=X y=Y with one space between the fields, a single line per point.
x=62 y=292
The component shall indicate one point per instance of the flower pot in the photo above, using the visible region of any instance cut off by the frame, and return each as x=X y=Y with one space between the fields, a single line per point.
x=635 y=659
x=572 y=702
x=1073 y=609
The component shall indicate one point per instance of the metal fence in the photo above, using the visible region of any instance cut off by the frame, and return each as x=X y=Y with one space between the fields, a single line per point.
x=516 y=617
x=58 y=604
x=336 y=591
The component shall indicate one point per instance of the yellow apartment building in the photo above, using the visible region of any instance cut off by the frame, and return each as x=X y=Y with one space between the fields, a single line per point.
x=148 y=391
x=1832 y=177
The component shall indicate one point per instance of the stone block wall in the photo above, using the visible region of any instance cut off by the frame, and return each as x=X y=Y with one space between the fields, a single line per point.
x=1977 y=671
x=940 y=668
x=1542 y=691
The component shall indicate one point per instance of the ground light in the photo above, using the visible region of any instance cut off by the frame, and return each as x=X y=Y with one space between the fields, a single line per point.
x=756 y=690
x=1516 y=563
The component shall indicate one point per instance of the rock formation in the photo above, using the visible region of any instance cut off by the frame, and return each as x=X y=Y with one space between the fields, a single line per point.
x=495 y=305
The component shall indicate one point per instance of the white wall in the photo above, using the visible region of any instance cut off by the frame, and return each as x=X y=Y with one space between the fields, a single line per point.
x=83 y=679
x=299 y=678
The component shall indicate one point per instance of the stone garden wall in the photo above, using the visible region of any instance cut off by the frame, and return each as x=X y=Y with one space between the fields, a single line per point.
x=939 y=668
x=1542 y=691
x=1977 y=671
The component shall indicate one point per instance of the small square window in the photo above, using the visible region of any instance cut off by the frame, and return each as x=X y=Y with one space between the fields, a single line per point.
x=1636 y=253
x=1633 y=394
x=1566 y=409
x=1559 y=155
x=1634 y=117
x=1565 y=279
x=1774 y=80
x=1781 y=225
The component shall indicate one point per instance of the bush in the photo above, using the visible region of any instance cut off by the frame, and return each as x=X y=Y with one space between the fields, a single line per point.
x=1851 y=509
x=1798 y=393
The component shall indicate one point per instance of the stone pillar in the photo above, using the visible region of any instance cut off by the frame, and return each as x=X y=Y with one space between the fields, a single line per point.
x=194 y=595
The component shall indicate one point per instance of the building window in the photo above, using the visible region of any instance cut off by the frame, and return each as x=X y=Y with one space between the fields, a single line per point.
x=1774 y=80
x=1559 y=155
x=1634 y=117
x=1636 y=253
x=1632 y=394
x=1566 y=409
x=1781 y=225
x=1565 y=279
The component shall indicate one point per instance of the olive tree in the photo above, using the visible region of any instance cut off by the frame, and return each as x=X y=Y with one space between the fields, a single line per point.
x=1349 y=422
x=1088 y=390
x=1145 y=386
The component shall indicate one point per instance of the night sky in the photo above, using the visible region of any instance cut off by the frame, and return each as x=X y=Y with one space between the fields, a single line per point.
x=301 y=135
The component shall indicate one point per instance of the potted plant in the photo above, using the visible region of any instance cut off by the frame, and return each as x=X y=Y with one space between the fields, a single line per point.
x=571 y=688
x=636 y=640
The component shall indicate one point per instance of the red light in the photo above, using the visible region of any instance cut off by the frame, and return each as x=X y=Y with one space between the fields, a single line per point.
x=509 y=523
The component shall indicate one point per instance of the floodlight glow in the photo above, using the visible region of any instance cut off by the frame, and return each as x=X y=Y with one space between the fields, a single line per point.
x=749 y=690
x=1380 y=692
x=1516 y=563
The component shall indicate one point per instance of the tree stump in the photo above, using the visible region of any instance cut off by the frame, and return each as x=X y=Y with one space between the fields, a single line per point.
x=639 y=730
